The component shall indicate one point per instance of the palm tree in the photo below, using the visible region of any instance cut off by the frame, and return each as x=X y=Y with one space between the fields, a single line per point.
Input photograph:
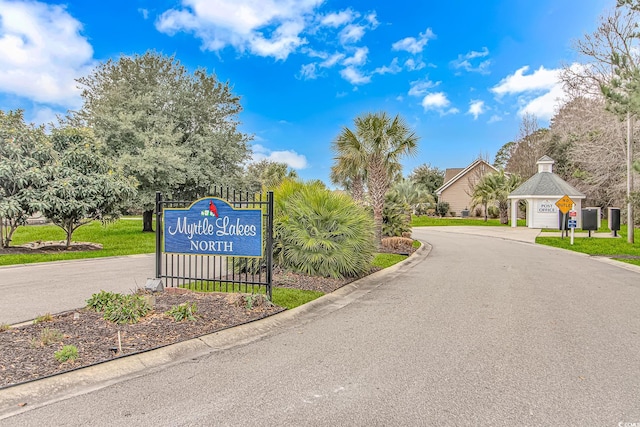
x=481 y=195
x=412 y=194
x=496 y=187
x=373 y=151
x=348 y=173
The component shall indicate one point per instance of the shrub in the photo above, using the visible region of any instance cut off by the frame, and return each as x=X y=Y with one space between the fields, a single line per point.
x=397 y=244
x=395 y=217
x=98 y=302
x=442 y=208
x=493 y=211
x=119 y=308
x=68 y=352
x=184 y=311
x=127 y=309
x=478 y=212
x=321 y=233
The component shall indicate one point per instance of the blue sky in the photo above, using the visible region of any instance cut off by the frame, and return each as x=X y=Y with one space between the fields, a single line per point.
x=461 y=73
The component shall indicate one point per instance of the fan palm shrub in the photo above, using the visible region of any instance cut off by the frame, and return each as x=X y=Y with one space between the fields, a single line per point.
x=321 y=233
x=395 y=221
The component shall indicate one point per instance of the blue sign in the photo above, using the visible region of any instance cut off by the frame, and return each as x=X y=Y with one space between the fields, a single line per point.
x=211 y=226
x=573 y=223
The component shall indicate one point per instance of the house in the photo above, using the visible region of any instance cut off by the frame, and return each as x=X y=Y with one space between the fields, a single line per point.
x=541 y=192
x=458 y=185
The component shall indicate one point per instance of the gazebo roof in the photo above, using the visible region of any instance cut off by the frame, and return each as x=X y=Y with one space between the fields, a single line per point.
x=546 y=184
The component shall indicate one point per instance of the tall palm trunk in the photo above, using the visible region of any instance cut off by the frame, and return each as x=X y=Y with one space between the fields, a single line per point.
x=378 y=185
x=357 y=189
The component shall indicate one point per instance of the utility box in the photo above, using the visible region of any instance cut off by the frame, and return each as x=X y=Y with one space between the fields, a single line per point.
x=590 y=219
x=465 y=213
x=599 y=214
x=614 y=220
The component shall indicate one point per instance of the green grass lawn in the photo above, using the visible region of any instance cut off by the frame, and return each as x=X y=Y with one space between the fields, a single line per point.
x=600 y=246
x=426 y=221
x=124 y=237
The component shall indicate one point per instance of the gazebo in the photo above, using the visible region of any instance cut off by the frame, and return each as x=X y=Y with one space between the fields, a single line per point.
x=541 y=192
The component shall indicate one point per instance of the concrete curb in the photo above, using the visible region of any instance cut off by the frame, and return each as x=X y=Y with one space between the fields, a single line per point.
x=25 y=397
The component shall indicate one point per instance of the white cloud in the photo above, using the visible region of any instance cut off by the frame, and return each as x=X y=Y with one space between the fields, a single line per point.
x=308 y=72
x=545 y=106
x=332 y=60
x=495 y=118
x=354 y=76
x=352 y=33
x=263 y=27
x=539 y=93
x=338 y=19
x=414 y=45
x=518 y=82
x=393 y=68
x=476 y=107
x=438 y=102
x=465 y=61
x=290 y=157
x=434 y=101
x=42 y=51
x=358 y=58
x=372 y=19
x=413 y=65
x=421 y=87
x=144 y=13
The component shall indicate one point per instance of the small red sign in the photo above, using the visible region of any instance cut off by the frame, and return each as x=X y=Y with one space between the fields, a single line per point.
x=573 y=213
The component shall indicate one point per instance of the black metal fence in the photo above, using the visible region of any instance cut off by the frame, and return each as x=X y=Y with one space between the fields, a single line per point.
x=216 y=272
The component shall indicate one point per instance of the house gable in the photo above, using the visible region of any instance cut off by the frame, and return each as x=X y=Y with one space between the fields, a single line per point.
x=457 y=190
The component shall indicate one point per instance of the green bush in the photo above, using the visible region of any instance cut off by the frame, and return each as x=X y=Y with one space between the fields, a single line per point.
x=184 y=311
x=396 y=217
x=127 y=309
x=119 y=308
x=493 y=212
x=68 y=352
x=321 y=233
x=98 y=302
x=442 y=208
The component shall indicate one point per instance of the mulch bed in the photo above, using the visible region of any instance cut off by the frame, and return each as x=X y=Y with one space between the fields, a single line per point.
x=24 y=356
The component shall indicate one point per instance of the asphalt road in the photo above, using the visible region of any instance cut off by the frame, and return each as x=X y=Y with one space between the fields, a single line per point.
x=31 y=290
x=483 y=331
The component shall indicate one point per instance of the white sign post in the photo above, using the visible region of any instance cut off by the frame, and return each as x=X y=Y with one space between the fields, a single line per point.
x=573 y=222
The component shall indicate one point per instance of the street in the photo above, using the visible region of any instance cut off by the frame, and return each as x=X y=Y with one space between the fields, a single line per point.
x=482 y=331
